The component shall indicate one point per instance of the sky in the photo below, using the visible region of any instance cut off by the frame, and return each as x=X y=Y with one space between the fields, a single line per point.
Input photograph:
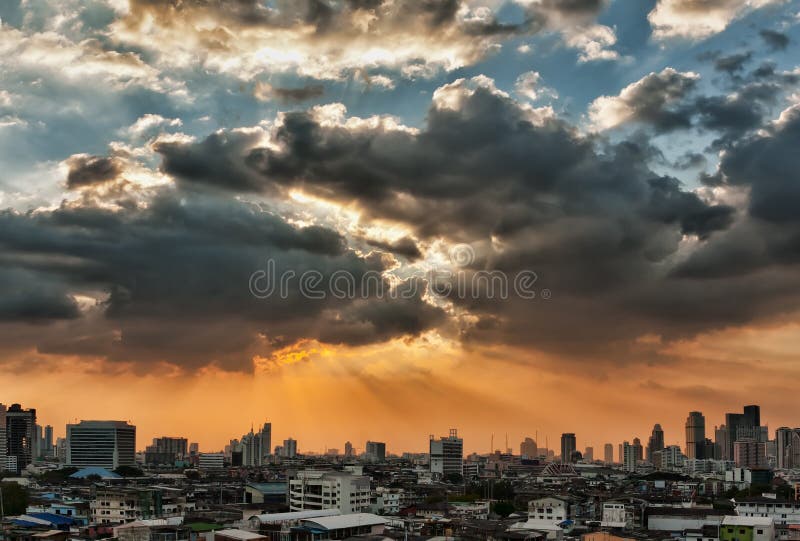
x=380 y=219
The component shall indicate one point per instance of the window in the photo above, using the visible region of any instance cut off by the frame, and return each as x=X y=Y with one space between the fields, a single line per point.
x=760 y=532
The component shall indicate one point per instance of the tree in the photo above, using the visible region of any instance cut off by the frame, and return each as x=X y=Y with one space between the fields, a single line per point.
x=129 y=471
x=454 y=478
x=503 y=490
x=55 y=477
x=15 y=498
x=503 y=508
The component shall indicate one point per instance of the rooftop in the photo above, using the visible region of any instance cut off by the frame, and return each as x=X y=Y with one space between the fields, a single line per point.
x=352 y=520
x=93 y=470
x=239 y=534
x=296 y=515
x=731 y=520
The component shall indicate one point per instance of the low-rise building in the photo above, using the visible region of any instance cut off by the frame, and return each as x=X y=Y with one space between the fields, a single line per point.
x=124 y=504
x=550 y=508
x=785 y=514
x=680 y=518
x=735 y=528
x=313 y=490
x=211 y=461
x=617 y=515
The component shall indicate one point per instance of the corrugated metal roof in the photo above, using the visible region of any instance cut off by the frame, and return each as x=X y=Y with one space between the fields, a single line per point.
x=296 y=515
x=346 y=521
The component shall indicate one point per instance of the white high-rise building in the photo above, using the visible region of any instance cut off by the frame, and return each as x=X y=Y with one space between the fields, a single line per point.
x=315 y=490
x=628 y=457
x=104 y=444
x=671 y=457
x=447 y=454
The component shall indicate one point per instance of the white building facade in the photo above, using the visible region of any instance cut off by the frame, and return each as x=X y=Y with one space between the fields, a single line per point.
x=314 y=490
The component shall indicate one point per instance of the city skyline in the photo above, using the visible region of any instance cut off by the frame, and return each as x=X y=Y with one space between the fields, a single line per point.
x=499 y=440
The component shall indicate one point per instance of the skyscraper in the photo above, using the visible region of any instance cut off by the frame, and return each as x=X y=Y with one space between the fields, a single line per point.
x=655 y=443
x=48 y=441
x=588 y=454
x=628 y=457
x=289 y=448
x=253 y=449
x=638 y=450
x=105 y=444
x=695 y=434
x=739 y=426
x=38 y=440
x=376 y=451
x=20 y=435
x=348 y=449
x=250 y=448
x=266 y=441
x=787 y=448
x=166 y=450
x=568 y=446
x=447 y=454
x=3 y=439
x=528 y=449
x=608 y=452
x=749 y=453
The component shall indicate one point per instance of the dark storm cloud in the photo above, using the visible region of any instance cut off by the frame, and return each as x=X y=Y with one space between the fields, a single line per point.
x=91 y=170
x=216 y=161
x=777 y=41
x=174 y=279
x=446 y=166
x=738 y=113
x=600 y=229
x=768 y=164
x=31 y=296
x=669 y=100
x=657 y=99
x=764 y=247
